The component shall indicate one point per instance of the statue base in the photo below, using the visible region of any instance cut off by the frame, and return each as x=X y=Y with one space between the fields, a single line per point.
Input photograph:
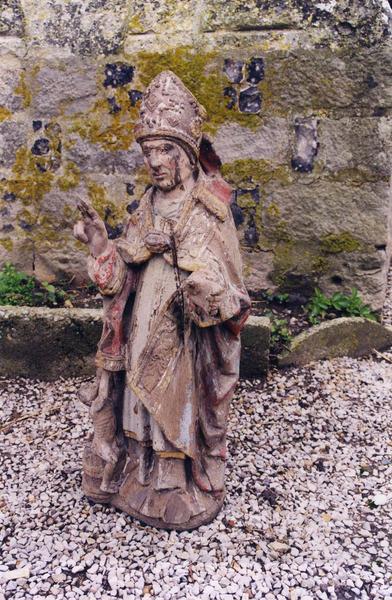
x=180 y=508
x=194 y=522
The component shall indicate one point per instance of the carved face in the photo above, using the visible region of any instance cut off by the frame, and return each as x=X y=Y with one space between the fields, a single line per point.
x=167 y=162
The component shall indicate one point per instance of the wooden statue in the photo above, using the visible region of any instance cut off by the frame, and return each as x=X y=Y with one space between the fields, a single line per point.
x=174 y=306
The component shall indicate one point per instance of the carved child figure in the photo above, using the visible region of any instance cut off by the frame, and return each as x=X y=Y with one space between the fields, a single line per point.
x=174 y=305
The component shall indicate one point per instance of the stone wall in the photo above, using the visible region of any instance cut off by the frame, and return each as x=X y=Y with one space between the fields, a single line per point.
x=299 y=104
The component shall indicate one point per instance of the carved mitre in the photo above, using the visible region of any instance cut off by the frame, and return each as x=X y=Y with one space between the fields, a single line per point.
x=169 y=109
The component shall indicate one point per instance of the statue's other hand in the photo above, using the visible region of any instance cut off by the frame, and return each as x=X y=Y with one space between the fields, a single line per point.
x=91 y=229
x=157 y=241
x=203 y=293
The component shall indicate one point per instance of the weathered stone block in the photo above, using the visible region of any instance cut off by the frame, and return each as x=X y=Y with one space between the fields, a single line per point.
x=48 y=343
x=363 y=21
x=11 y=89
x=347 y=336
x=255 y=342
x=12 y=136
x=269 y=142
x=253 y=14
x=313 y=208
x=11 y=18
x=355 y=149
x=70 y=85
x=320 y=79
x=90 y=27
x=148 y=16
x=366 y=271
x=93 y=158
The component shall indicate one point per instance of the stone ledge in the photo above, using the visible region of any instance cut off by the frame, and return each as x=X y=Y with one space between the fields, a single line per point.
x=47 y=343
x=255 y=340
x=347 y=336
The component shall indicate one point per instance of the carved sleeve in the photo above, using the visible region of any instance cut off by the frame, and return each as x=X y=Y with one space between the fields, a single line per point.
x=108 y=271
x=221 y=294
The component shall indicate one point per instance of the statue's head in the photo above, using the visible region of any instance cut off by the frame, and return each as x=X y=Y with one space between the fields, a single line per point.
x=169 y=130
x=168 y=163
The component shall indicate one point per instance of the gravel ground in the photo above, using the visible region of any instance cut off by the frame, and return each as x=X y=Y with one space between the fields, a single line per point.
x=308 y=513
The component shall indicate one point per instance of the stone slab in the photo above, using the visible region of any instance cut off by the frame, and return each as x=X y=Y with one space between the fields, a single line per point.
x=48 y=343
x=88 y=27
x=347 y=336
x=11 y=18
x=255 y=340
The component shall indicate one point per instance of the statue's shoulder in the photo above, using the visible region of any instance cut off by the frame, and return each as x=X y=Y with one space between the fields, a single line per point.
x=215 y=194
x=137 y=208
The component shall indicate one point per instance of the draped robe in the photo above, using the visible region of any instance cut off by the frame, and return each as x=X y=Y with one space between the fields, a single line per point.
x=180 y=376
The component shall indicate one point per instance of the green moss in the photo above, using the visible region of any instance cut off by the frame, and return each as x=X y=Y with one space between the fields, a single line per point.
x=245 y=171
x=334 y=243
x=135 y=25
x=296 y=259
x=202 y=73
x=141 y=180
x=112 y=131
x=246 y=201
x=320 y=264
x=23 y=90
x=109 y=211
x=7 y=244
x=4 y=113
x=70 y=213
x=247 y=270
x=26 y=216
x=70 y=178
x=48 y=231
x=280 y=232
x=28 y=182
x=273 y=211
x=357 y=176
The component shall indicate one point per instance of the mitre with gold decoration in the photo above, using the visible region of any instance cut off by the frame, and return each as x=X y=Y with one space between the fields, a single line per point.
x=170 y=110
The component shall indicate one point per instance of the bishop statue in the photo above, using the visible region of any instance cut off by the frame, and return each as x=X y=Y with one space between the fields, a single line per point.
x=174 y=305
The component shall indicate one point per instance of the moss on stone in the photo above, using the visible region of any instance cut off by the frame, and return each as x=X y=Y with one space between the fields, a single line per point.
x=70 y=213
x=300 y=258
x=247 y=269
x=251 y=171
x=357 y=176
x=320 y=264
x=111 y=130
x=135 y=25
x=22 y=89
x=111 y=212
x=335 y=243
x=70 y=178
x=26 y=216
x=7 y=244
x=273 y=211
x=28 y=182
x=246 y=201
x=4 y=113
x=141 y=180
